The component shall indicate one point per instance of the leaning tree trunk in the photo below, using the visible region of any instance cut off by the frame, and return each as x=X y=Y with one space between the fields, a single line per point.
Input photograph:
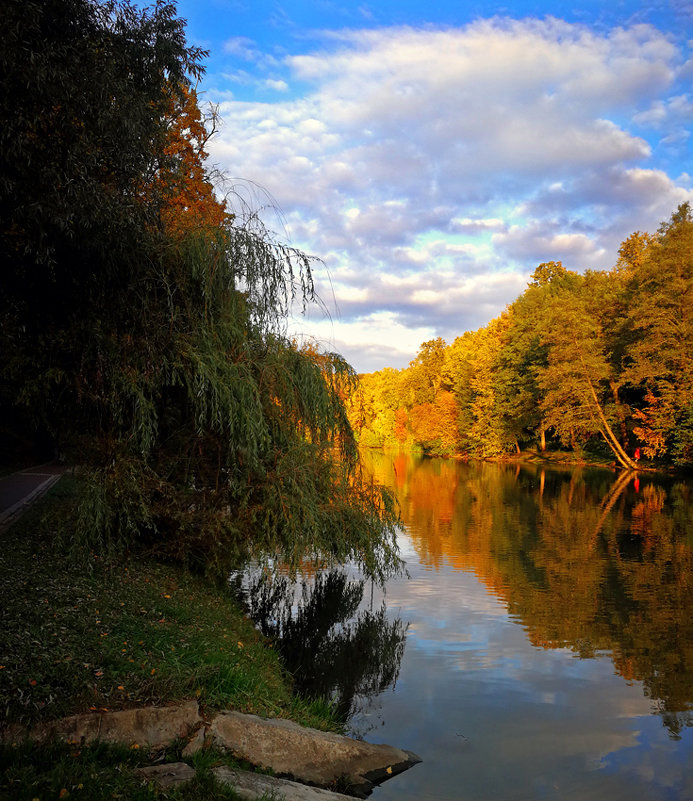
x=619 y=411
x=607 y=433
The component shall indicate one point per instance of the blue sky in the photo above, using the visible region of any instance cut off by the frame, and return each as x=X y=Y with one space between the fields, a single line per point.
x=433 y=154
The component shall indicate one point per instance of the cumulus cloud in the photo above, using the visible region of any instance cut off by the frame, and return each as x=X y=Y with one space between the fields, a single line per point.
x=459 y=158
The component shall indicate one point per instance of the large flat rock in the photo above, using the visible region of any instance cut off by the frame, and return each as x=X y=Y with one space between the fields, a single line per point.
x=251 y=786
x=155 y=727
x=308 y=755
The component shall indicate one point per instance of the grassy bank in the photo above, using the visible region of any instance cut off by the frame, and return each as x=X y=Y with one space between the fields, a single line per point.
x=80 y=633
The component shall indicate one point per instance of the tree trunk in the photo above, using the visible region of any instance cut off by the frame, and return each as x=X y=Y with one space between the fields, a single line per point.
x=619 y=412
x=542 y=439
x=608 y=434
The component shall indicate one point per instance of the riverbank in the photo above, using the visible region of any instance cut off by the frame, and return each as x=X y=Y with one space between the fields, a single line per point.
x=557 y=459
x=80 y=633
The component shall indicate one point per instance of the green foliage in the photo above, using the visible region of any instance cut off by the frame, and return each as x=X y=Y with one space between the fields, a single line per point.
x=424 y=377
x=518 y=361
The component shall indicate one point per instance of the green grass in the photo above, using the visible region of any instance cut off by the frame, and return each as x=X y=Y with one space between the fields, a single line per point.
x=80 y=633
x=103 y=772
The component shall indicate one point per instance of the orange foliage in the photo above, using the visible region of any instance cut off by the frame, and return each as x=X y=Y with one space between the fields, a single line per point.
x=649 y=432
x=434 y=425
x=189 y=200
x=401 y=424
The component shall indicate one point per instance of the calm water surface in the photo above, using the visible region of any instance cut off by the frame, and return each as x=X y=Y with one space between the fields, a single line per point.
x=541 y=648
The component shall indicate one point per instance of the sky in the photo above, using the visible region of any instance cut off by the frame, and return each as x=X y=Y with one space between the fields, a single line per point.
x=432 y=154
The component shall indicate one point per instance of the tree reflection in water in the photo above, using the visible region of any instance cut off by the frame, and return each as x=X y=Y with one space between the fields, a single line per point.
x=333 y=650
x=587 y=559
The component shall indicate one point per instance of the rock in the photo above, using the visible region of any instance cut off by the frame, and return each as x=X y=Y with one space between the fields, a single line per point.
x=75 y=729
x=196 y=743
x=308 y=755
x=170 y=775
x=156 y=727
x=251 y=786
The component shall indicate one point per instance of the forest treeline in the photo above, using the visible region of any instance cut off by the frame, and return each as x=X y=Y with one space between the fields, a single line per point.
x=600 y=361
x=143 y=319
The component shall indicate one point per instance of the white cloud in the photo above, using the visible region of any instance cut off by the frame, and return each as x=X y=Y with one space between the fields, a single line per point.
x=475 y=225
x=459 y=158
x=242 y=47
x=534 y=244
x=362 y=340
x=277 y=85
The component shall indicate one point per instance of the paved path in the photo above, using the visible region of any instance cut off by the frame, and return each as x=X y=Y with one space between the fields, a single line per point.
x=18 y=490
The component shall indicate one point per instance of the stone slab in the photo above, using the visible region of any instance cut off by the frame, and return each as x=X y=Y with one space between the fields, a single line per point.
x=251 y=786
x=308 y=755
x=156 y=727
x=170 y=775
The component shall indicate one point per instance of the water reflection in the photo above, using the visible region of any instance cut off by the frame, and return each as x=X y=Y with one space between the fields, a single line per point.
x=334 y=647
x=549 y=615
x=594 y=561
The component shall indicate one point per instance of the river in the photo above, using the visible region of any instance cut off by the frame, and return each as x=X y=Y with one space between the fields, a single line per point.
x=540 y=647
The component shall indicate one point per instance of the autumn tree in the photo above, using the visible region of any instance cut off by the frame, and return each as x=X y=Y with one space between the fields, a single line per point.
x=424 y=376
x=188 y=199
x=599 y=357
x=85 y=89
x=578 y=382
x=518 y=361
x=661 y=317
x=460 y=356
x=375 y=409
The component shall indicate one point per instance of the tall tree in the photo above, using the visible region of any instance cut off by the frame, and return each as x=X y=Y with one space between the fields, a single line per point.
x=579 y=380
x=424 y=377
x=517 y=364
x=661 y=317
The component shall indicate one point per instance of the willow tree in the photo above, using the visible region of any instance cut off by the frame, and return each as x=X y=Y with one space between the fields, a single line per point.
x=152 y=353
